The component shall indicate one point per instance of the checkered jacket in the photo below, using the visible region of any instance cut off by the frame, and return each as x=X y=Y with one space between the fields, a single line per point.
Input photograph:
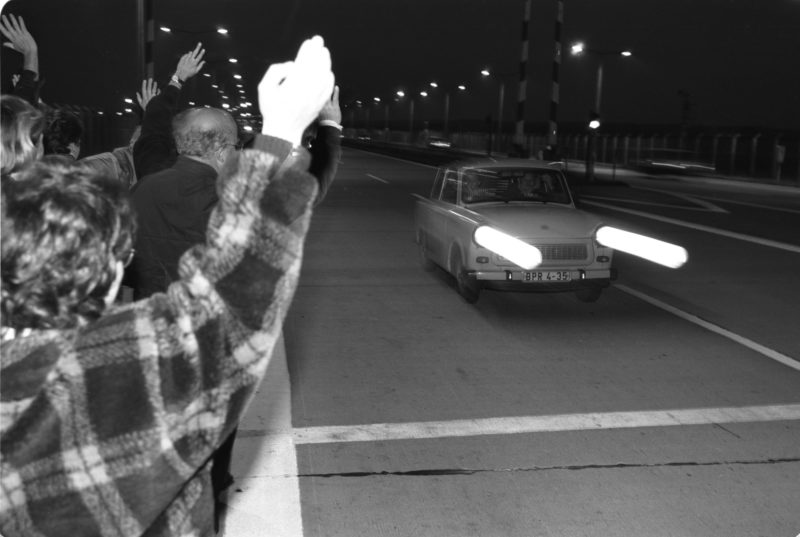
x=108 y=429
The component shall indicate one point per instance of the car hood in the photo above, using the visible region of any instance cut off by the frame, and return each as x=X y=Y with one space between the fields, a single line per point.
x=539 y=220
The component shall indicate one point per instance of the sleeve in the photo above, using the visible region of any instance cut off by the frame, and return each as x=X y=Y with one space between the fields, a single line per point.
x=155 y=149
x=217 y=325
x=28 y=87
x=326 y=151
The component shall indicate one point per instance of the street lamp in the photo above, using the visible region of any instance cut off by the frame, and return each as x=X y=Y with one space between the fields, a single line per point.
x=594 y=119
x=500 y=99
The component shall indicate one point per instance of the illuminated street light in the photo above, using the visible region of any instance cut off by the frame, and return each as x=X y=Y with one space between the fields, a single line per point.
x=128 y=100
x=237 y=77
x=376 y=99
x=222 y=31
x=485 y=72
x=577 y=49
x=165 y=29
x=434 y=85
x=233 y=60
x=401 y=93
x=462 y=87
x=423 y=93
x=214 y=86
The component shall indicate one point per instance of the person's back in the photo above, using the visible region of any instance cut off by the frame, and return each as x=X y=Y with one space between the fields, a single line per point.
x=173 y=205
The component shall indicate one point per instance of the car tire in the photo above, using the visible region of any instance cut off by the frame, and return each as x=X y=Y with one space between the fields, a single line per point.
x=467 y=287
x=589 y=294
x=424 y=259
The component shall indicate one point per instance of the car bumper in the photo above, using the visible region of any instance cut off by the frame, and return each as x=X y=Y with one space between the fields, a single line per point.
x=515 y=280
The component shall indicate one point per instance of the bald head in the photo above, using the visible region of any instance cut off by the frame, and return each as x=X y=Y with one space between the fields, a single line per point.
x=204 y=132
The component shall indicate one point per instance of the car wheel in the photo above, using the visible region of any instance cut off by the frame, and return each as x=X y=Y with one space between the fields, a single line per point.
x=589 y=294
x=467 y=287
x=424 y=260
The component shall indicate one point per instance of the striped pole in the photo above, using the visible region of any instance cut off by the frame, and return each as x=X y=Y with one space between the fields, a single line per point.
x=523 y=75
x=148 y=46
x=552 y=128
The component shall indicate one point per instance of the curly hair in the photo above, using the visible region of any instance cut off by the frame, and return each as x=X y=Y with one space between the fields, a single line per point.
x=64 y=229
x=200 y=132
x=21 y=127
x=63 y=128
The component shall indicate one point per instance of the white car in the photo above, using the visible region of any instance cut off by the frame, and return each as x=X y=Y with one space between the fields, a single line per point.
x=524 y=199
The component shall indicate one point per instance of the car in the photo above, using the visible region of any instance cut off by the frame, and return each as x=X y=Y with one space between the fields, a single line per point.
x=435 y=142
x=665 y=160
x=527 y=200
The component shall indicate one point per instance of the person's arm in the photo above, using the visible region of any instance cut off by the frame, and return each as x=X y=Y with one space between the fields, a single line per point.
x=155 y=148
x=326 y=147
x=221 y=319
x=21 y=40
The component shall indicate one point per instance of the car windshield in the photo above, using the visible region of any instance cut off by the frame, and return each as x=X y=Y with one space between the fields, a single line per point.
x=480 y=185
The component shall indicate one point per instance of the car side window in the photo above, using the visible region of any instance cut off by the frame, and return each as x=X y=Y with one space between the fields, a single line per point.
x=450 y=187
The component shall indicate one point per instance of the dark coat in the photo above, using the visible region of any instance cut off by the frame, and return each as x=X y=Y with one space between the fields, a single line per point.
x=172 y=210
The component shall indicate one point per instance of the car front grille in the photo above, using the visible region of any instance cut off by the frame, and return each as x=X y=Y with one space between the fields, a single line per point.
x=563 y=252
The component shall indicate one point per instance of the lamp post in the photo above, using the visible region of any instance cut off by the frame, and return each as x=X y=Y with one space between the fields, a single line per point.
x=500 y=99
x=594 y=115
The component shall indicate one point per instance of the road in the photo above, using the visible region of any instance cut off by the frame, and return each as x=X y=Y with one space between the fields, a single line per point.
x=671 y=407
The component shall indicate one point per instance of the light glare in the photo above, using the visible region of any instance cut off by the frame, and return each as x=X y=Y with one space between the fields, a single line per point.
x=663 y=253
x=513 y=249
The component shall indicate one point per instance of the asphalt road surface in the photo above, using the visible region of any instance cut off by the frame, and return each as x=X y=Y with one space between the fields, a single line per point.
x=671 y=407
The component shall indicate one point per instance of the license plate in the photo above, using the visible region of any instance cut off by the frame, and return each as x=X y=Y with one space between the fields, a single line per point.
x=547 y=276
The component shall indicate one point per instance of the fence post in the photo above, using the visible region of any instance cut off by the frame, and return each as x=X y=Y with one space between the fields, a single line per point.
x=734 y=139
x=753 y=150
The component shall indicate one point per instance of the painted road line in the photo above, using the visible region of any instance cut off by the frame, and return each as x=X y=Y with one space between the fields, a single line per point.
x=749 y=343
x=544 y=424
x=393 y=158
x=377 y=178
x=756 y=205
x=730 y=234
x=700 y=206
x=264 y=462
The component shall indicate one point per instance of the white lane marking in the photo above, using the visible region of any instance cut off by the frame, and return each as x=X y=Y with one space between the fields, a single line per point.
x=756 y=205
x=377 y=178
x=691 y=199
x=701 y=207
x=749 y=343
x=393 y=158
x=265 y=464
x=730 y=234
x=550 y=423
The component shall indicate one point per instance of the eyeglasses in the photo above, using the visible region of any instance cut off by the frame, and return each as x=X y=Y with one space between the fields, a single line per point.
x=128 y=258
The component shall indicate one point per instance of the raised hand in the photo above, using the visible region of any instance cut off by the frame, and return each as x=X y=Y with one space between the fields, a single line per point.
x=190 y=63
x=331 y=110
x=292 y=94
x=21 y=40
x=149 y=90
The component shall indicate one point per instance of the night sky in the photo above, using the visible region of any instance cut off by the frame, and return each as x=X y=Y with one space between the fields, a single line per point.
x=735 y=59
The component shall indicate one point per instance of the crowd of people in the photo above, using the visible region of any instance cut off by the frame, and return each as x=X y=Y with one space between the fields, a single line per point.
x=118 y=416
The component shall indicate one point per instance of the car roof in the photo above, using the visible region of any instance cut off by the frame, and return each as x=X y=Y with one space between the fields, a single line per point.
x=504 y=163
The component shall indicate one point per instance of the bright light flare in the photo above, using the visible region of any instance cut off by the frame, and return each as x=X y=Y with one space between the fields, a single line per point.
x=577 y=48
x=485 y=72
x=663 y=253
x=222 y=31
x=513 y=249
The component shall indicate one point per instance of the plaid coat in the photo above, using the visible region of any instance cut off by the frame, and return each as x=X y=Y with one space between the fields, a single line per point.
x=108 y=429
